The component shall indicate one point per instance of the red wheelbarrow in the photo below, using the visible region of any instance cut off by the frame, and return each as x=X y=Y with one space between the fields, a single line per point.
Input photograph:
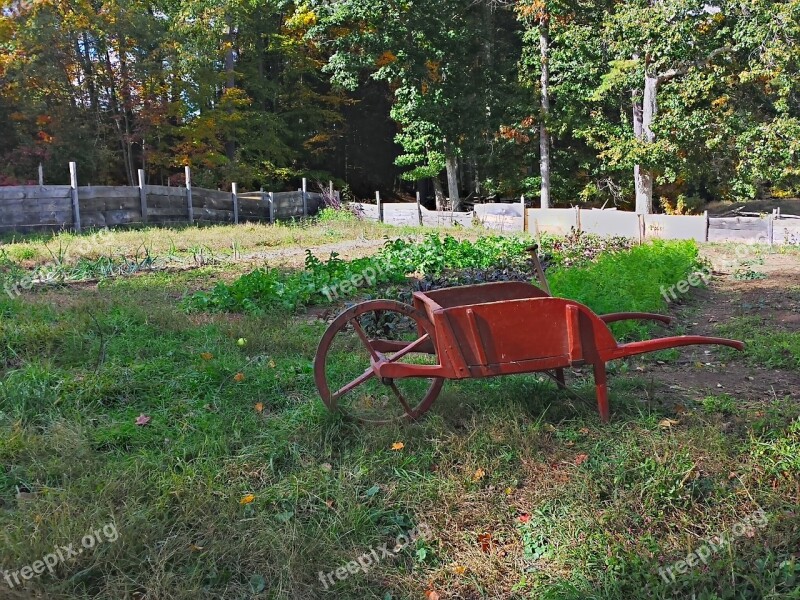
x=382 y=360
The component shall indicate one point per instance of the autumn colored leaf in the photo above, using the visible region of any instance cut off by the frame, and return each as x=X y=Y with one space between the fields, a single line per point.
x=459 y=569
x=248 y=499
x=398 y=446
x=583 y=430
x=478 y=475
x=524 y=518
x=238 y=377
x=485 y=540
x=509 y=491
x=271 y=364
x=581 y=458
x=259 y=407
x=142 y=420
x=667 y=423
x=206 y=356
x=431 y=595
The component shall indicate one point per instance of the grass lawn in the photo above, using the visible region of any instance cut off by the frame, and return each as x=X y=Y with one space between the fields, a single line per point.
x=198 y=440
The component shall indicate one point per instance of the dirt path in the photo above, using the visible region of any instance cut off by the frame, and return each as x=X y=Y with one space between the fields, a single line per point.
x=291 y=257
x=703 y=371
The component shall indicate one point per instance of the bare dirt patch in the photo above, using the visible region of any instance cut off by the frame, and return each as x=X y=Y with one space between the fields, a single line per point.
x=702 y=371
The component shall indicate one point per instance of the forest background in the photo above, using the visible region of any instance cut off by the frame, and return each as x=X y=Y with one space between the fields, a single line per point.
x=653 y=105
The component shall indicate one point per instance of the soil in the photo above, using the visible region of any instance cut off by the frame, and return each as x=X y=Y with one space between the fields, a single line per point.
x=701 y=371
x=788 y=206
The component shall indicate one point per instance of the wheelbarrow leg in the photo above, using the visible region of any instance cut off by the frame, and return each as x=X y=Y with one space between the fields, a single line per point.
x=601 y=391
x=560 y=379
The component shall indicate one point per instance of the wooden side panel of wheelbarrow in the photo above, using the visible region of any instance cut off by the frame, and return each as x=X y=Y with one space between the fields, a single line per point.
x=533 y=334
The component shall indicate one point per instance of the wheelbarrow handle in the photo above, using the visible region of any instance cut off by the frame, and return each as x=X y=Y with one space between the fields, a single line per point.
x=537 y=267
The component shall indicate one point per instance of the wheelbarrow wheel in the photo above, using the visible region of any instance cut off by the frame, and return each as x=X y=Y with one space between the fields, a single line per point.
x=366 y=333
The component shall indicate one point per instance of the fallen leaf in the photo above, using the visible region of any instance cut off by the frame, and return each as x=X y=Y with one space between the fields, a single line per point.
x=459 y=570
x=681 y=409
x=142 y=420
x=195 y=548
x=259 y=407
x=485 y=540
x=431 y=595
x=247 y=499
x=583 y=430
x=581 y=458
x=238 y=377
x=271 y=364
x=398 y=446
x=509 y=491
x=329 y=503
x=524 y=518
x=327 y=467
x=478 y=475
x=206 y=356
x=667 y=423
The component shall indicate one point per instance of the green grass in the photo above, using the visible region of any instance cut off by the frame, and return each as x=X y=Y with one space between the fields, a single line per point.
x=608 y=505
x=764 y=346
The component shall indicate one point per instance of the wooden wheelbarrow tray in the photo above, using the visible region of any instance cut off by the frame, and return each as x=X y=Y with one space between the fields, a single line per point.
x=487 y=330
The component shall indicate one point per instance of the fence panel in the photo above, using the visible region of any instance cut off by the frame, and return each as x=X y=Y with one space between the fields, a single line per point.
x=501 y=216
x=109 y=206
x=610 y=222
x=786 y=231
x=752 y=230
x=676 y=227
x=29 y=208
x=556 y=221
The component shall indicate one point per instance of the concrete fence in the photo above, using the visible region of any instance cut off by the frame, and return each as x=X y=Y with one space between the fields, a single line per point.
x=47 y=207
x=770 y=229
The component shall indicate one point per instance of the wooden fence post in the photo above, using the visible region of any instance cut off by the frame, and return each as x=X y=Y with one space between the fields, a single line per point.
x=76 y=207
x=41 y=175
x=188 y=172
x=330 y=188
x=380 y=207
x=235 y=198
x=419 y=209
x=271 y=208
x=771 y=228
x=142 y=196
x=708 y=223
x=305 y=199
x=522 y=204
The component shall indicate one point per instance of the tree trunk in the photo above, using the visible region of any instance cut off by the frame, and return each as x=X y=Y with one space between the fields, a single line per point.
x=643 y=115
x=544 y=134
x=451 y=164
x=230 y=83
x=438 y=193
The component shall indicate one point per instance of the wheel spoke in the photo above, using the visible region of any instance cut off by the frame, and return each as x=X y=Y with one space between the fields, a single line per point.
x=364 y=339
x=410 y=348
x=400 y=397
x=353 y=384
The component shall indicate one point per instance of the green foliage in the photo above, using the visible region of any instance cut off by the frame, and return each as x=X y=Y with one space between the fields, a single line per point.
x=628 y=281
x=266 y=289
